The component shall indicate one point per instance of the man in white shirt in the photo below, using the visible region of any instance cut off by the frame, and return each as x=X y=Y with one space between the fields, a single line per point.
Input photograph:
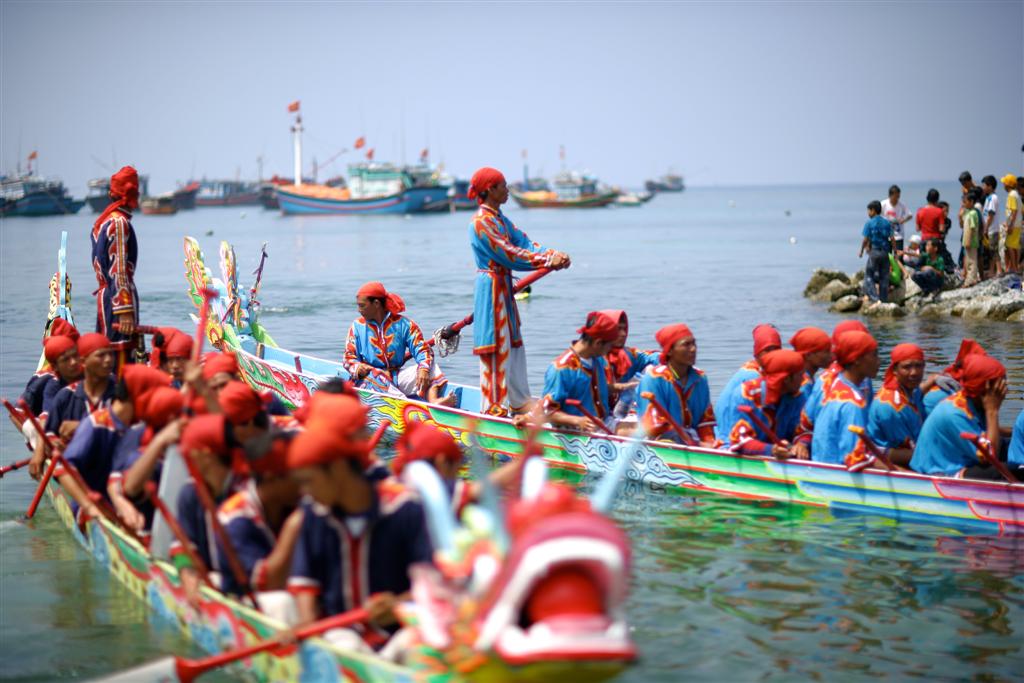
x=896 y=212
x=990 y=227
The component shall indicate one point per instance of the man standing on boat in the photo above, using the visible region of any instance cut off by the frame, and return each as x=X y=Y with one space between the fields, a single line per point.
x=115 y=252
x=499 y=247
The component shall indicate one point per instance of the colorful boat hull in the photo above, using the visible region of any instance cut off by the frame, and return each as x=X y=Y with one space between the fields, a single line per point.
x=585 y=202
x=41 y=204
x=413 y=200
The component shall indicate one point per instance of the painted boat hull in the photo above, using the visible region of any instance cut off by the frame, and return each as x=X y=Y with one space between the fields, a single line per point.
x=42 y=204
x=413 y=200
x=239 y=199
x=590 y=202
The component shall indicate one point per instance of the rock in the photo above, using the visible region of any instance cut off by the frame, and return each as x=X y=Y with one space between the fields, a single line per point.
x=857 y=277
x=834 y=290
x=1017 y=317
x=910 y=288
x=821 y=277
x=846 y=304
x=883 y=310
x=993 y=307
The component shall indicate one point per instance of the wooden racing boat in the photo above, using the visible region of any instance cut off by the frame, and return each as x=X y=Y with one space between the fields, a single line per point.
x=904 y=496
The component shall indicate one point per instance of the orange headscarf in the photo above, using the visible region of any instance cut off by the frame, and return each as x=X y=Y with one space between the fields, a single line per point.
x=776 y=366
x=483 y=180
x=124 y=189
x=668 y=336
x=424 y=442
x=900 y=353
x=375 y=290
x=852 y=346
x=968 y=347
x=810 y=340
x=766 y=337
x=978 y=371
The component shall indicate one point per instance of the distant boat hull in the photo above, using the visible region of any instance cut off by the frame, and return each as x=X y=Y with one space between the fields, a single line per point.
x=665 y=186
x=585 y=202
x=185 y=198
x=240 y=199
x=159 y=206
x=41 y=204
x=268 y=197
x=412 y=200
x=97 y=203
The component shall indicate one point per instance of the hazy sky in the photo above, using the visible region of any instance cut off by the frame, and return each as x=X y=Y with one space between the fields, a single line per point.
x=742 y=93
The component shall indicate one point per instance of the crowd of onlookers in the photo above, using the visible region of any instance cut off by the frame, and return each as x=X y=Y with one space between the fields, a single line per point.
x=990 y=238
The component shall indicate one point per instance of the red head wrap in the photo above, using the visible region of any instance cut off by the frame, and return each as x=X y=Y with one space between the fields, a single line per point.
x=394 y=303
x=239 y=402
x=668 y=336
x=483 y=180
x=766 y=338
x=178 y=346
x=424 y=442
x=161 y=338
x=158 y=406
x=204 y=432
x=810 y=340
x=139 y=379
x=318 y=446
x=617 y=357
x=600 y=326
x=124 y=189
x=900 y=353
x=55 y=347
x=977 y=371
x=341 y=415
x=852 y=346
x=776 y=366
x=215 y=363
x=274 y=461
x=968 y=347
x=62 y=327
x=89 y=344
x=846 y=326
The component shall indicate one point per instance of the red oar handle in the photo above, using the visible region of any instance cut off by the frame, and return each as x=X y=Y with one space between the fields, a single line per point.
x=189 y=669
x=140 y=329
x=668 y=416
x=593 y=418
x=378 y=434
x=985 y=446
x=41 y=489
x=179 y=533
x=752 y=414
x=17 y=465
x=870 y=444
x=454 y=328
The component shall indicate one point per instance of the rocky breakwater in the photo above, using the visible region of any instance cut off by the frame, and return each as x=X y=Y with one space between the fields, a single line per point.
x=995 y=299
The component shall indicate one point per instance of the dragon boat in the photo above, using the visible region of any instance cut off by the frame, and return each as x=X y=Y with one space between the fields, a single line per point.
x=986 y=506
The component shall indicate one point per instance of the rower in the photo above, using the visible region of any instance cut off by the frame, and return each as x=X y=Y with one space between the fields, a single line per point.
x=974 y=409
x=114 y=256
x=814 y=344
x=1015 y=454
x=626 y=364
x=948 y=383
x=679 y=387
x=358 y=539
x=422 y=441
x=72 y=403
x=250 y=427
x=221 y=367
x=766 y=339
x=63 y=366
x=499 y=247
x=580 y=374
x=897 y=412
x=758 y=405
x=380 y=341
x=173 y=353
x=844 y=405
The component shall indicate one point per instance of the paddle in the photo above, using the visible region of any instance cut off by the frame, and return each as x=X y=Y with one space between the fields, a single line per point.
x=179 y=533
x=984 y=447
x=761 y=424
x=683 y=434
x=47 y=449
x=593 y=418
x=872 y=446
x=17 y=465
x=18 y=419
x=204 y=315
x=187 y=670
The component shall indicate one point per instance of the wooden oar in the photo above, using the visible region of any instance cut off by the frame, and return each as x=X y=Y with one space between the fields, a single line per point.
x=593 y=418
x=179 y=533
x=17 y=465
x=187 y=670
x=984 y=446
x=378 y=434
x=17 y=419
x=48 y=473
x=451 y=330
x=141 y=329
x=668 y=416
x=761 y=424
x=872 y=446
x=204 y=315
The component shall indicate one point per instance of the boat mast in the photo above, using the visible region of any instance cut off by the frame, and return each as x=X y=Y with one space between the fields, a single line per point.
x=297 y=133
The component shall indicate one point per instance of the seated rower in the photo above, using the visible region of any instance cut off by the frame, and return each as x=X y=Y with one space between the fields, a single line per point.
x=815 y=346
x=948 y=382
x=358 y=538
x=766 y=339
x=139 y=455
x=626 y=364
x=844 y=405
x=765 y=396
x=975 y=409
x=94 y=391
x=221 y=367
x=379 y=343
x=897 y=413
x=175 y=354
x=250 y=426
x=63 y=366
x=581 y=374
x=679 y=387
x=1015 y=454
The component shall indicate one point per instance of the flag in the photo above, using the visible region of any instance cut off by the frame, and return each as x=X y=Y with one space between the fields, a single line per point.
x=360 y=142
x=369 y=154
x=33 y=155
x=424 y=154
x=293 y=107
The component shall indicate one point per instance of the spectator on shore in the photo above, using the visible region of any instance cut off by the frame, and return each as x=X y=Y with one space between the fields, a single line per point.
x=990 y=227
x=971 y=220
x=913 y=251
x=929 y=218
x=947 y=225
x=897 y=213
x=930 y=268
x=966 y=182
x=877 y=241
x=1014 y=221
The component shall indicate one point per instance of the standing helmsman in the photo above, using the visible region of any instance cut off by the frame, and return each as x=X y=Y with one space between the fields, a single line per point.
x=115 y=252
x=499 y=247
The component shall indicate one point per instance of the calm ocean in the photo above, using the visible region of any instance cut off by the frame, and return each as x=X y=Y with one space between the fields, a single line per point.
x=722 y=590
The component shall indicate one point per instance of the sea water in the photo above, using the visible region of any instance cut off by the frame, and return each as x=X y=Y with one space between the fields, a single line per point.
x=722 y=590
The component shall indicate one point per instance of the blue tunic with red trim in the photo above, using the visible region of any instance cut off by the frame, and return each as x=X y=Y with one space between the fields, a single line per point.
x=895 y=419
x=386 y=346
x=128 y=451
x=934 y=397
x=499 y=247
x=41 y=385
x=72 y=403
x=197 y=526
x=1015 y=455
x=688 y=402
x=92 y=448
x=740 y=431
x=244 y=522
x=345 y=559
x=572 y=377
x=817 y=394
x=940 y=450
x=115 y=253
x=833 y=443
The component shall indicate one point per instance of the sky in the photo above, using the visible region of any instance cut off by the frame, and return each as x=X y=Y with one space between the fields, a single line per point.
x=726 y=93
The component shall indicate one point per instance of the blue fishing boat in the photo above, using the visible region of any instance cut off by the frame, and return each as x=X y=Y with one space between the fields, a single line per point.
x=372 y=188
x=30 y=195
x=459 y=196
x=98 y=197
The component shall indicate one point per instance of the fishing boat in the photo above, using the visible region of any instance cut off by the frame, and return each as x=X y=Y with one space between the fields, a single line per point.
x=666 y=183
x=633 y=199
x=32 y=195
x=904 y=496
x=571 y=191
x=458 y=197
x=227 y=193
x=372 y=189
x=185 y=197
x=425 y=176
x=159 y=205
x=98 y=196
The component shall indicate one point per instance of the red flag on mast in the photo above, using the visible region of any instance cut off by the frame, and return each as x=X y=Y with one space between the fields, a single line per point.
x=369 y=154
x=424 y=154
x=293 y=107
x=360 y=142
x=33 y=155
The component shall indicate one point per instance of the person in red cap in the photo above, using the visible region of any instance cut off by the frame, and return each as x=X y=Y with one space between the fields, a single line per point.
x=63 y=366
x=948 y=382
x=897 y=411
x=499 y=248
x=250 y=425
x=219 y=368
x=815 y=346
x=115 y=253
x=766 y=339
x=172 y=349
x=381 y=341
x=844 y=405
x=769 y=396
x=428 y=443
x=973 y=409
x=358 y=538
x=581 y=374
x=680 y=387
x=626 y=364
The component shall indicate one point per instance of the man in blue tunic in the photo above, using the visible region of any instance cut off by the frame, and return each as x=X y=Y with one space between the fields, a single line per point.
x=1015 y=454
x=897 y=412
x=63 y=366
x=766 y=340
x=626 y=364
x=115 y=253
x=768 y=398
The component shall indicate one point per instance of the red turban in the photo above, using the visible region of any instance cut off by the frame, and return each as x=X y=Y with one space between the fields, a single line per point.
x=483 y=180
x=178 y=346
x=617 y=357
x=846 y=326
x=317 y=446
x=341 y=415
x=139 y=379
x=424 y=442
x=810 y=340
x=215 y=363
x=275 y=461
x=55 y=347
x=239 y=402
x=394 y=303
x=900 y=353
x=766 y=338
x=600 y=326
x=62 y=328
x=776 y=366
x=91 y=343
x=158 y=406
x=852 y=346
x=204 y=432
x=968 y=347
x=124 y=189
x=668 y=336
x=977 y=371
